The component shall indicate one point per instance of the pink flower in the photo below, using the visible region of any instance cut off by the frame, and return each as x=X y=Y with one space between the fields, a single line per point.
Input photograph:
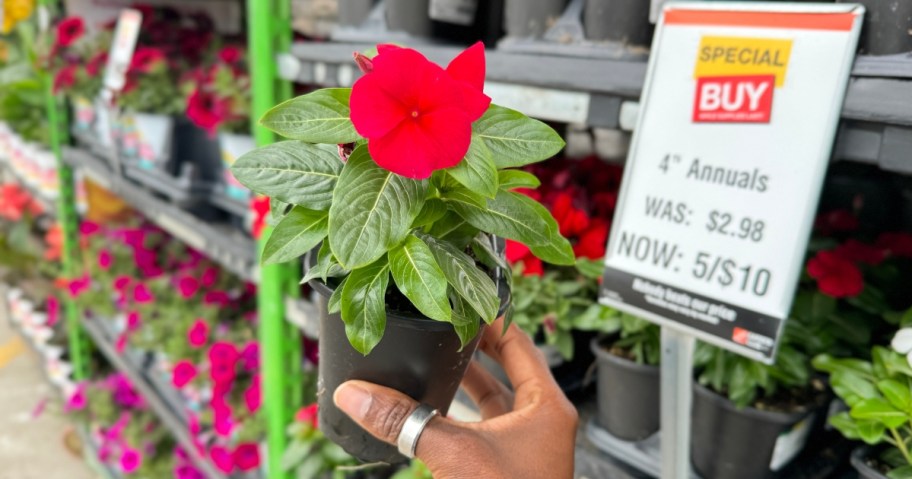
x=121 y=283
x=187 y=286
x=221 y=456
x=130 y=460
x=53 y=310
x=79 y=286
x=184 y=372
x=250 y=356
x=223 y=359
x=307 y=415
x=89 y=228
x=223 y=422
x=247 y=456
x=198 y=334
x=104 y=259
x=210 y=275
x=187 y=471
x=121 y=344
x=218 y=298
x=231 y=54
x=134 y=320
x=134 y=237
x=141 y=294
x=193 y=424
x=253 y=395
x=77 y=401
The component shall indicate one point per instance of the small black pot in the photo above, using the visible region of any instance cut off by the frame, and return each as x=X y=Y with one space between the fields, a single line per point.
x=859 y=462
x=887 y=27
x=732 y=443
x=628 y=395
x=417 y=356
x=623 y=21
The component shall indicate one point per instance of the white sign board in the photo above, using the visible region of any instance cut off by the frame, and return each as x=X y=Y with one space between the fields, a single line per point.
x=125 y=36
x=738 y=116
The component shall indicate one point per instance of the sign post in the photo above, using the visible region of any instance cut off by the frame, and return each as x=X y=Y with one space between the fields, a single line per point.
x=739 y=112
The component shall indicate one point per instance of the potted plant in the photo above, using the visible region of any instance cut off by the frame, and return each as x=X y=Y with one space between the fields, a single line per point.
x=403 y=176
x=220 y=102
x=78 y=60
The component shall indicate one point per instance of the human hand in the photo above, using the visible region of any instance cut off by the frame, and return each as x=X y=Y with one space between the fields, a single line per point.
x=528 y=433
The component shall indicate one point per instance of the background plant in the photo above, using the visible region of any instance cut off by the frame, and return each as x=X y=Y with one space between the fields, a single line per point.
x=220 y=99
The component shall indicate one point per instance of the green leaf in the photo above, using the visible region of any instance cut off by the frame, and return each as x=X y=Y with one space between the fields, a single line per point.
x=297 y=233
x=880 y=410
x=870 y=431
x=278 y=209
x=372 y=210
x=466 y=278
x=364 y=305
x=291 y=171
x=515 y=139
x=433 y=210
x=334 y=304
x=897 y=393
x=590 y=268
x=484 y=251
x=465 y=321
x=420 y=279
x=903 y=472
x=310 y=468
x=847 y=426
x=326 y=267
x=295 y=454
x=477 y=171
x=852 y=387
x=557 y=251
x=509 y=179
x=321 y=116
x=507 y=216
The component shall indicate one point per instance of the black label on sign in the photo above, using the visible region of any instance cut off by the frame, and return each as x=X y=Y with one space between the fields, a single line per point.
x=734 y=324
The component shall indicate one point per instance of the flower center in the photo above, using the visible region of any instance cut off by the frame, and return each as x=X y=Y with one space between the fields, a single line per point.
x=414 y=113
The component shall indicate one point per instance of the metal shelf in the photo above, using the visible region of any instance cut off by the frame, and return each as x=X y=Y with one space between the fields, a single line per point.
x=167 y=413
x=220 y=242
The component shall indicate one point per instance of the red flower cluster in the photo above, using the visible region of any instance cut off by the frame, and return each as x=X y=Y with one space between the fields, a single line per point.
x=69 y=30
x=15 y=202
x=581 y=195
x=836 y=276
x=417 y=116
x=208 y=107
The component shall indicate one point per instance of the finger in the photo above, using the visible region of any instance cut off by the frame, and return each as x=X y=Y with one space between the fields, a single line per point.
x=490 y=395
x=517 y=354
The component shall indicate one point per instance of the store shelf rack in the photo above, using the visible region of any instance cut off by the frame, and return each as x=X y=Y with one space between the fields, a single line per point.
x=222 y=243
x=166 y=411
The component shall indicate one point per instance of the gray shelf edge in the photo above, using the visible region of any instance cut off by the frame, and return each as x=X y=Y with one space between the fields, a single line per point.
x=164 y=412
x=229 y=248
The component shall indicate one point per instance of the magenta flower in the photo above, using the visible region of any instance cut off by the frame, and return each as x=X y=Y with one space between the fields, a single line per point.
x=122 y=282
x=223 y=422
x=222 y=373
x=141 y=294
x=105 y=259
x=183 y=373
x=221 y=456
x=253 y=395
x=250 y=356
x=115 y=432
x=217 y=298
x=181 y=454
x=210 y=275
x=187 y=471
x=193 y=424
x=187 y=286
x=198 y=334
x=223 y=353
x=104 y=453
x=134 y=320
x=247 y=456
x=88 y=228
x=130 y=460
x=121 y=344
x=77 y=401
x=134 y=237
x=53 y=310
x=79 y=285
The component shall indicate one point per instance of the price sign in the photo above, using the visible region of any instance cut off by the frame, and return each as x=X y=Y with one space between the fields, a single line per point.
x=738 y=116
x=125 y=36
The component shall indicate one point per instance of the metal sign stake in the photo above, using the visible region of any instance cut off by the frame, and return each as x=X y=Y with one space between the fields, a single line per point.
x=676 y=397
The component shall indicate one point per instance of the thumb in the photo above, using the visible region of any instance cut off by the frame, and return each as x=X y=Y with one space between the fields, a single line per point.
x=380 y=410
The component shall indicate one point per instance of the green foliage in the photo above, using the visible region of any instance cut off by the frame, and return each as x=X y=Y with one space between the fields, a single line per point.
x=310 y=454
x=382 y=225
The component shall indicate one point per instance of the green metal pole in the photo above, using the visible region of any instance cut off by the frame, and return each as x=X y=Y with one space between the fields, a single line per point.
x=268 y=32
x=69 y=222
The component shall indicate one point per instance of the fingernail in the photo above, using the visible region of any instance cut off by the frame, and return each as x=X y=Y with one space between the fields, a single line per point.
x=352 y=400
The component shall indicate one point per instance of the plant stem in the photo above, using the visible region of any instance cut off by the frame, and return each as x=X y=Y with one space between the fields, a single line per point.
x=901 y=445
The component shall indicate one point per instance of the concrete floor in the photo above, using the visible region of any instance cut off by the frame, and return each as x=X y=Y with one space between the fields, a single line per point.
x=31 y=443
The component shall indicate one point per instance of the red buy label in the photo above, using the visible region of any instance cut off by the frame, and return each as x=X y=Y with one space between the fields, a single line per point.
x=740 y=335
x=734 y=99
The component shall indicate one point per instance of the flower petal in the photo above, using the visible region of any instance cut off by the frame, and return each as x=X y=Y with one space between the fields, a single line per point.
x=416 y=148
x=469 y=66
x=373 y=111
x=902 y=341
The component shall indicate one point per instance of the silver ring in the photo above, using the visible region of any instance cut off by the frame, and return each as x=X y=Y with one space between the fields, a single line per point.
x=412 y=429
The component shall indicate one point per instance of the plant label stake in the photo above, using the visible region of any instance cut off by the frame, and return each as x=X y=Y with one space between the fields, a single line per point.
x=739 y=111
x=119 y=58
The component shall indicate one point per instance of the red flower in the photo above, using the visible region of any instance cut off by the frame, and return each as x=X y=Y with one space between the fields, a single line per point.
x=184 y=372
x=218 y=298
x=231 y=54
x=856 y=251
x=201 y=110
x=572 y=221
x=93 y=67
x=65 y=78
x=417 y=116
x=105 y=259
x=209 y=276
x=836 y=221
x=836 y=276
x=250 y=356
x=69 y=30
x=307 y=415
x=54 y=240
x=222 y=458
x=146 y=58
x=121 y=283
x=260 y=207
x=253 y=396
x=141 y=294
x=134 y=320
x=517 y=252
x=198 y=334
x=247 y=456
x=896 y=244
x=593 y=241
x=187 y=286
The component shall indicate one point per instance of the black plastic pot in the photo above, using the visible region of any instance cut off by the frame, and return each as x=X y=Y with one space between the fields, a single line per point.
x=860 y=463
x=531 y=18
x=628 y=395
x=417 y=356
x=887 y=26
x=622 y=21
x=732 y=443
x=410 y=16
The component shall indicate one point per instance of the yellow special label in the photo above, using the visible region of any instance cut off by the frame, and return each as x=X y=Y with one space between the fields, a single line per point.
x=727 y=56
